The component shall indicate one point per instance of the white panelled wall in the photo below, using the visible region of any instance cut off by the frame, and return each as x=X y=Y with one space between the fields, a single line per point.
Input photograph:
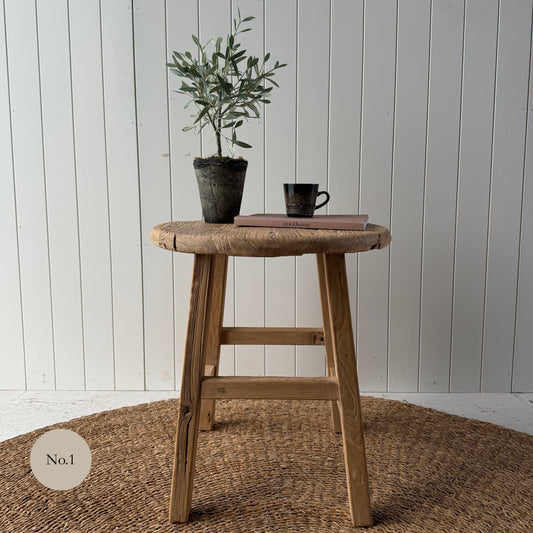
x=414 y=111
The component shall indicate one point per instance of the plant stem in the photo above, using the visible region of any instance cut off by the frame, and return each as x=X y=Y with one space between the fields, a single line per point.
x=219 y=144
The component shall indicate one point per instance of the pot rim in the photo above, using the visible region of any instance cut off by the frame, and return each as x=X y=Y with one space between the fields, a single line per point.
x=203 y=162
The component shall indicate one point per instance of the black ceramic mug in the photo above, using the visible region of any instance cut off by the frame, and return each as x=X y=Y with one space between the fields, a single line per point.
x=300 y=199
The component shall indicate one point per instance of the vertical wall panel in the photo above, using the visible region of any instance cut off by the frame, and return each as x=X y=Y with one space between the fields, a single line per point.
x=481 y=23
x=376 y=161
x=250 y=271
x=440 y=193
x=54 y=57
x=227 y=353
x=409 y=159
x=154 y=169
x=215 y=19
x=506 y=189
x=30 y=189
x=93 y=207
x=12 y=371
x=280 y=167
x=249 y=311
x=280 y=312
x=345 y=105
x=182 y=22
x=346 y=70
x=123 y=183
x=523 y=354
x=312 y=167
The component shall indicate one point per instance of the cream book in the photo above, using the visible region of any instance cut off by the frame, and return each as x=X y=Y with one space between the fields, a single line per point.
x=344 y=222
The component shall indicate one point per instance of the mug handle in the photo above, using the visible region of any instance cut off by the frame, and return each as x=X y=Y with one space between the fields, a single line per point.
x=324 y=202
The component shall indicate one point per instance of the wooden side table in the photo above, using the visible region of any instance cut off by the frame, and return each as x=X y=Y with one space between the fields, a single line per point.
x=201 y=386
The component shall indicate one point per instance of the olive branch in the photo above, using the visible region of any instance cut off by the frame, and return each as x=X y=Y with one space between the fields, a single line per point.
x=227 y=86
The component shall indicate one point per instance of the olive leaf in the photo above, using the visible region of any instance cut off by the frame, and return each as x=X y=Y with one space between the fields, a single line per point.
x=226 y=85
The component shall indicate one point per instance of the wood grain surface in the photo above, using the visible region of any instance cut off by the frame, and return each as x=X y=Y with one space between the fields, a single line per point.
x=349 y=400
x=269 y=388
x=273 y=336
x=201 y=238
x=193 y=372
x=328 y=334
x=214 y=318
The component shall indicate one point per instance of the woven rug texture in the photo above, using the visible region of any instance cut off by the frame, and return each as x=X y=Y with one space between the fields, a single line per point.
x=277 y=466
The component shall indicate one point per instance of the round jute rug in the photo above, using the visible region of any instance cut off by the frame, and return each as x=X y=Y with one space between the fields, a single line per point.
x=277 y=466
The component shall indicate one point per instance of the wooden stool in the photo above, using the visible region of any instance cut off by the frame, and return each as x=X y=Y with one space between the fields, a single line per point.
x=201 y=386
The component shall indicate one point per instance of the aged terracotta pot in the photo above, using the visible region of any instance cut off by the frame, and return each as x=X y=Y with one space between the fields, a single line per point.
x=221 y=184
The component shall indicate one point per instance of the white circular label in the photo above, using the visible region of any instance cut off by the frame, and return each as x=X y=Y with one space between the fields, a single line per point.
x=60 y=459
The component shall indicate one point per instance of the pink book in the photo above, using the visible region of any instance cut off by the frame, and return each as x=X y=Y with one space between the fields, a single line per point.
x=345 y=222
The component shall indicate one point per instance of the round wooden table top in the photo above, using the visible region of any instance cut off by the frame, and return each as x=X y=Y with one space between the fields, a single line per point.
x=227 y=239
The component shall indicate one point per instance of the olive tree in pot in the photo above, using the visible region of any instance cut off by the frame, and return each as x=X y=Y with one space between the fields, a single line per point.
x=227 y=87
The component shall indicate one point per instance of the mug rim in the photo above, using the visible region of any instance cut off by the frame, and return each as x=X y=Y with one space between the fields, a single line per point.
x=306 y=184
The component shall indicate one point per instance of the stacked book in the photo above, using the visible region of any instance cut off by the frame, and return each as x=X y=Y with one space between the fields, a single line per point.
x=342 y=222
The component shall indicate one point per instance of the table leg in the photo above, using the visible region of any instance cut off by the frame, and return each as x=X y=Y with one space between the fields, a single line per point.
x=326 y=321
x=193 y=372
x=215 y=315
x=349 y=400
